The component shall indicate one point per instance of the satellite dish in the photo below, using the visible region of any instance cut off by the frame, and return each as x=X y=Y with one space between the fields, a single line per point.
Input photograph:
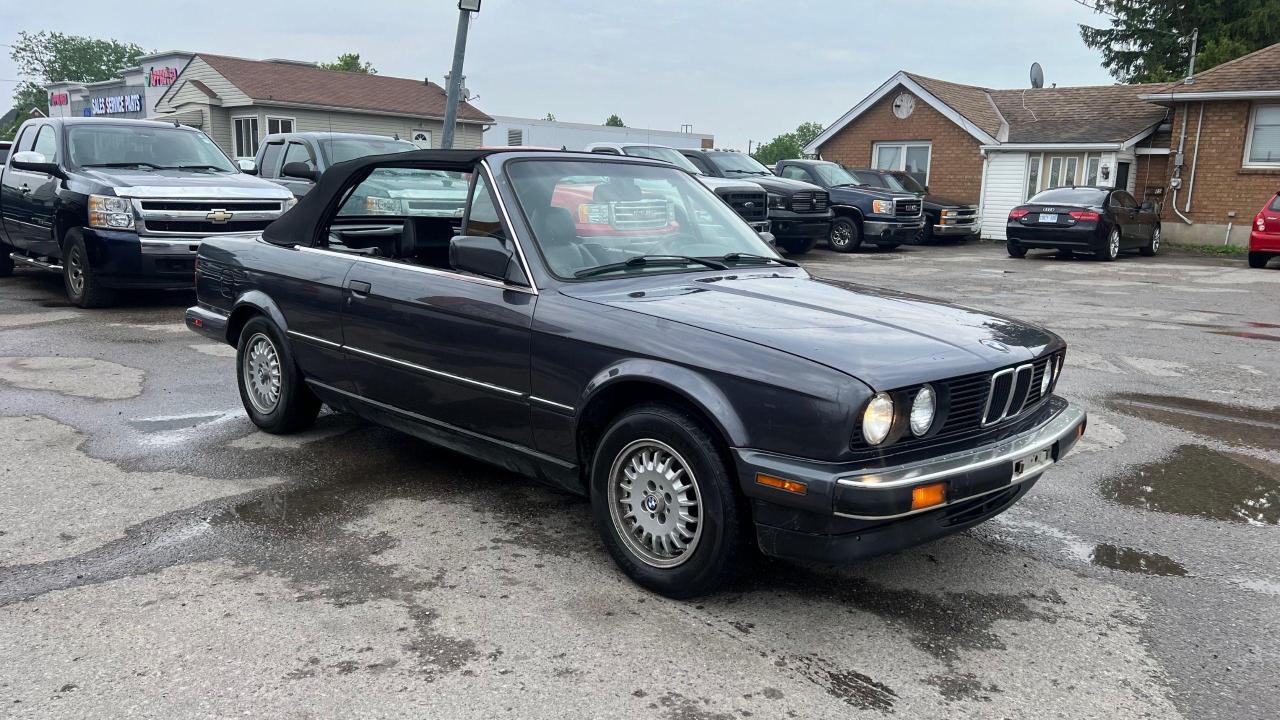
x=1037 y=75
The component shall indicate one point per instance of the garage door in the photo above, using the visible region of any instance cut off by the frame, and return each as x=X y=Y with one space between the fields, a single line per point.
x=1003 y=188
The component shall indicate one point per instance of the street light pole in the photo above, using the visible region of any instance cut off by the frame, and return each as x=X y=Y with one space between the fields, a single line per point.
x=465 y=8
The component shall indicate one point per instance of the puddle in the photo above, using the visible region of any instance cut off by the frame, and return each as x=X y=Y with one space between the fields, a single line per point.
x=1228 y=423
x=1198 y=482
x=1245 y=334
x=1135 y=561
x=174 y=423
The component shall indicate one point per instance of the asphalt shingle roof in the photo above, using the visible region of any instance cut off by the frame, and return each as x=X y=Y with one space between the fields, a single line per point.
x=969 y=100
x=1259 y=70
x=1095 y=114
x=265 y=81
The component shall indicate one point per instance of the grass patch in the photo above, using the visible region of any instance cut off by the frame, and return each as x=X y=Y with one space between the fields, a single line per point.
x=1207 y=249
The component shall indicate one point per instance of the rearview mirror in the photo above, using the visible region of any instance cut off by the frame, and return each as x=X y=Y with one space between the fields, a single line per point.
x=485 y=256
x=299 y=170
x=248 y=167
x=31 y=161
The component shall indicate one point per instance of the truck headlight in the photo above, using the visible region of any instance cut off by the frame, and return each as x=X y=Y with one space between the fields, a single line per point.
x=882 y=207
x=777 y=202
x=922 y=410
x=110 y=212
x=877 y=419
x=288 y=204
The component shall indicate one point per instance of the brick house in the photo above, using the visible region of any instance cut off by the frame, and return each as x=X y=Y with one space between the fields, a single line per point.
x=998 y=147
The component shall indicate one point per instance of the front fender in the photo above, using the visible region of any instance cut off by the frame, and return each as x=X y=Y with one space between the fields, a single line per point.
x=689 y=384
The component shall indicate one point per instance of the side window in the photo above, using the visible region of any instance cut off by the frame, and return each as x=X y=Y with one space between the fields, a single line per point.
x=404 y=214
x=271 y=160
x=298 y=152
x=47 y=143
x=482 y=213
x=26 y=139
x=796 y=173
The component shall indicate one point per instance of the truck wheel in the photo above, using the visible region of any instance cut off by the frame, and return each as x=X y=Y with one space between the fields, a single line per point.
x=1258 y=259
x=664 y=503
x=798 y=246
x=846 y=235
x=1015 y=250
x=84 y=289
x=924 y=236
x=271 y=387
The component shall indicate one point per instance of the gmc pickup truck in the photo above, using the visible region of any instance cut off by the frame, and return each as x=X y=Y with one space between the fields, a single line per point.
x=113 y=204
x=862 y=213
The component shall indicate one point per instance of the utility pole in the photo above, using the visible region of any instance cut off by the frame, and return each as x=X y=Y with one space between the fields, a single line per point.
x=465 y=8
x=1191 y=71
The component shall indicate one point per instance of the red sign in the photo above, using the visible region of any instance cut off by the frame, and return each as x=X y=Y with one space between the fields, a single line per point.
x=59 y=98
x=162 y=76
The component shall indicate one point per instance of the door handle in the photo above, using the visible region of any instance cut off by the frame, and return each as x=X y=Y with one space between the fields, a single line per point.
x=24 y=189
x=359 y=288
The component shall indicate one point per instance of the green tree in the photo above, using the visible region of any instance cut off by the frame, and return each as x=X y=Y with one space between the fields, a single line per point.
x=788 y=145
x=550 y=117
x=1150 y=40
x=350 y=62
x=48 y=57
x=614 y=121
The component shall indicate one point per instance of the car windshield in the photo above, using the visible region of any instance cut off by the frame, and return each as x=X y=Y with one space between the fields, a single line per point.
x=664 y=154
x=611 y=219
x=145 y=146
x=732 y=163
x=343 y=149
x=874 y=179
x=832 y=174
x=1071 y=196
x=904 y=182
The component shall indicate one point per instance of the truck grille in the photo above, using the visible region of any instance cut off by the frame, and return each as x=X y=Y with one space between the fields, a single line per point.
x=906 y=207
x=966 y=415
x=206 y=216
x=435 y=208
x=967 y=215
x=640 y=214
x=751 y=205
x=803 y=202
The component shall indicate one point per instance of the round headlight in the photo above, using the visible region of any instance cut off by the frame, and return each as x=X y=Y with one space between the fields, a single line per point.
x=922 y=410
x=1047 y=379
x=877 y=419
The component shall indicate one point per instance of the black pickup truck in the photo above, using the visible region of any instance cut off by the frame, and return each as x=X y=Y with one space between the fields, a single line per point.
x=862 y=213
x=944 y=219
x=113 y=204
x=799 y=212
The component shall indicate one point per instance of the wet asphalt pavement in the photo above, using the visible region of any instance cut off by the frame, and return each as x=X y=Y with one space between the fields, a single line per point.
x=161 y=558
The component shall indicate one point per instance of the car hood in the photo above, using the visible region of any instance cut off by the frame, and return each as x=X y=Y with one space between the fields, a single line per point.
x=945 y=202
x=849 y=195
x=884 y=338
x=779 y=185
x=173 y=183
x=716 y=183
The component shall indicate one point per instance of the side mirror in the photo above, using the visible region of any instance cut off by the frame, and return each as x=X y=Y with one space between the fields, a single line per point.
x=32 y=161
x=299 y=170
x=248 y=167
x=1147 y=206
x=485 y=256
x=769 y=239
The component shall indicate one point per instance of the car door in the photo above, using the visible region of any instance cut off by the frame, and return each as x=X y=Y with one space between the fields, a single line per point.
x=448 y=347
x=12 y=197
x=1125 y=212
x=298 y=151
x=30 y=197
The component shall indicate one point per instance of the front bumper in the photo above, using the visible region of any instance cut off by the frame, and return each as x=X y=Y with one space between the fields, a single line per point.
x=800 y=226
x=886 y=232
x=850 y=512
x=122 y=259
x=956 y=230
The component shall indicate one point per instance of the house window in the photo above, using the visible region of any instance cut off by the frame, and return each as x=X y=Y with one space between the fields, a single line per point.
x=246 y=136
x=912 y=158
x=1073 y=165
x=1091 y=169
x=515 y=137
x=1055 y=172
x=1263 y=145
x=277 y=125
x=1033 y=175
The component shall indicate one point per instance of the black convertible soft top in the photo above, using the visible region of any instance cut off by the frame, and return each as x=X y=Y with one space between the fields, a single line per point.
x=298 y=226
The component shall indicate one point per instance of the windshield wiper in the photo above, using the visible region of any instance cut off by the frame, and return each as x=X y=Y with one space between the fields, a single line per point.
x=749 y=256
x=153 y=166
x=746 y=172
x=645 y=260
x=848 y=184
x=191 y=167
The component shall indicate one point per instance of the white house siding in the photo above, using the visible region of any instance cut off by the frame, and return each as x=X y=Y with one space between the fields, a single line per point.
x=576 y=136
x=1004 y=187
x=198 y=69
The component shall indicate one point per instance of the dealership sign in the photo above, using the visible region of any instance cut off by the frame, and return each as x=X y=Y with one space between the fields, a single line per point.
x=161 y=77
x=59 y=98
x=115 y=104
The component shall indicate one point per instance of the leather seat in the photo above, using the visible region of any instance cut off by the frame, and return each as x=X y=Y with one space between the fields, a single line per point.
x=558 y=238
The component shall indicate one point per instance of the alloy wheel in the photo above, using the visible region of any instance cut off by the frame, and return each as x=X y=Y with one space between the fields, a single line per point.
x=841 y=235
x=262 y=373
x=1113 y=244
x=75 y=271
x=655 y=503
x=1155 y=240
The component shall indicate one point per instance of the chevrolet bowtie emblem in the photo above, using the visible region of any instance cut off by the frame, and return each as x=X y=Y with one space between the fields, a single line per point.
x=218 y=216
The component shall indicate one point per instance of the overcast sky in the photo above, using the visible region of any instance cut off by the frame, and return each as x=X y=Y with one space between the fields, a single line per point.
x=747 y=69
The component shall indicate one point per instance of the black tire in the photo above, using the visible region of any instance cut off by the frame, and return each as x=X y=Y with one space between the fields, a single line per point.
x=1153 y=245
x=924 y=236
x=719 y=544
x=846 y=235
x=1258 y=259
x=1110 y=249
x=798 y=246
x=84 y=288
x=1066 y=254
x=1015 y=250
x=6 y=262
x=294 y=407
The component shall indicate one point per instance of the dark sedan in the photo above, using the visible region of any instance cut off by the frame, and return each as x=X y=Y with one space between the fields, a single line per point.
x=608 y=325
x=1098 y=220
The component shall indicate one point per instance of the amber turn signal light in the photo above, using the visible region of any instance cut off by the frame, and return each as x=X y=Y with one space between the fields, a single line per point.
x=926 y=496
x=791 y=486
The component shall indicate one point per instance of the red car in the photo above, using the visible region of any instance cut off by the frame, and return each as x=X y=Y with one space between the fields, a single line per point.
x=1264 y=241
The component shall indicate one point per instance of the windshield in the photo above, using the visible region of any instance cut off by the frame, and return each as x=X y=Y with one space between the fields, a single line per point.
x=732 y=163
x=145 y=146
x=343 y=149
x=1071 y=196
x=832 y=174
x=586 y=215
x=904 y=182
x=664 y=154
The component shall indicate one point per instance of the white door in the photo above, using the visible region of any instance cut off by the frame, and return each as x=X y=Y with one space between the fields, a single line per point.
x=1004 y=187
